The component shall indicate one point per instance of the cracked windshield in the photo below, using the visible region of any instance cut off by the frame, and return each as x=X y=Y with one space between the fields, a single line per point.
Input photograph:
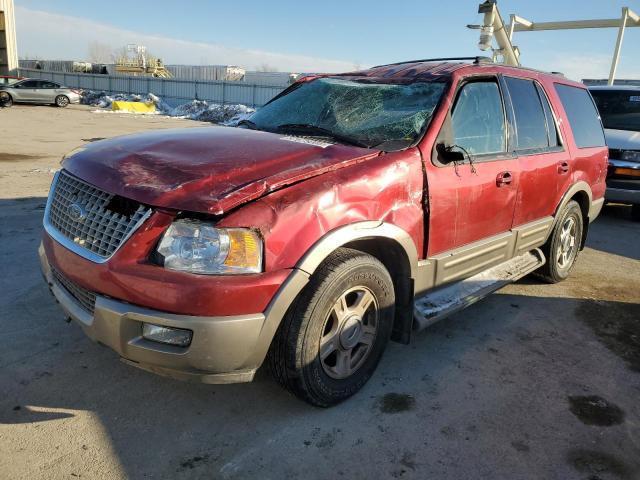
x=385 y=116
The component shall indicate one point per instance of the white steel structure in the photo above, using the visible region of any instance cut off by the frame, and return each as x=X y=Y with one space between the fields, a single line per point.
x=494 y=26
x=8 y=47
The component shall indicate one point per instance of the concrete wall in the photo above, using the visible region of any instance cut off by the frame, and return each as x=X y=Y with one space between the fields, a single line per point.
x=8 y=45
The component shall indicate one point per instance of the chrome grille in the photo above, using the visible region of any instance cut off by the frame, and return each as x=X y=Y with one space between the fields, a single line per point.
x=84 y=215
x=85 y=298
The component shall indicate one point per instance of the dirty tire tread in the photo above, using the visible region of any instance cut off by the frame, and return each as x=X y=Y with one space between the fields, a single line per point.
x=549 y=272
x=288 y=343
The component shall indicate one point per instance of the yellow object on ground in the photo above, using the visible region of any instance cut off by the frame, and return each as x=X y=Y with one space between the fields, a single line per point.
x=134 y=107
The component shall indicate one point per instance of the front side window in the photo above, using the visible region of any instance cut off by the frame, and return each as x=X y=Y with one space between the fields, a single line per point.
x=531 y=123
x=583 y=116
x=552 y=130
x=619 y=109
x=478 y=119
x=385 y=116
x=29 y=84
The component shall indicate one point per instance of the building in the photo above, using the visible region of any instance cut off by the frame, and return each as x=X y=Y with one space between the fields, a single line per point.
x=8 y=46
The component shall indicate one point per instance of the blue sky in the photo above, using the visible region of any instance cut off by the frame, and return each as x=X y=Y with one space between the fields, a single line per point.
x=329 y=35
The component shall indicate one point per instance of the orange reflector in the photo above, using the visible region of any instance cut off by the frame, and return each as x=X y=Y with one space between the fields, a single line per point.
x=630 y=172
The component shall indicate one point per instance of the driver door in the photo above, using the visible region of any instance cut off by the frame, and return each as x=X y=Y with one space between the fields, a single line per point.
x=26 y=91
x=472 y=202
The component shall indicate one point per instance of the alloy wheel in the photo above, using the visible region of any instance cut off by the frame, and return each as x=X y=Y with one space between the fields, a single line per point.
x=349 y=332
x=568 y=244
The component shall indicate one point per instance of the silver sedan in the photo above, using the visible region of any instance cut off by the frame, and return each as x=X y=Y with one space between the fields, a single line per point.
x=37 y=91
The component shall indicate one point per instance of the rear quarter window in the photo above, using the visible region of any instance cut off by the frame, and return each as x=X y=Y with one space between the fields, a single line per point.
x=583 y=116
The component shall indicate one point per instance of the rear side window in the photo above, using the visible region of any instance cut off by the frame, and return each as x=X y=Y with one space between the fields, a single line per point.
x=478 y=119
x=583 y=116
x=531 y=121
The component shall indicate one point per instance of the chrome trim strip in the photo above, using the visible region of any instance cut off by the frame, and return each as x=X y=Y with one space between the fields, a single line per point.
x=613 y=162
x=69 y=244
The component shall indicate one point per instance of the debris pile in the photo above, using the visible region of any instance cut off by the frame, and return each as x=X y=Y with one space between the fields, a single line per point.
x=195 y=110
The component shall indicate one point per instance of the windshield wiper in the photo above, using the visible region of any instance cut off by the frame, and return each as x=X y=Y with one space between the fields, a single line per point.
x=320 y=131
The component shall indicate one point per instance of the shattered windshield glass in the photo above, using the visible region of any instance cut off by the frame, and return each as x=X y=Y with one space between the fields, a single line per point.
x=386 y=116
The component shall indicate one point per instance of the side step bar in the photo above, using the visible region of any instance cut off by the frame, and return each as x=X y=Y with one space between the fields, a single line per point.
x=438 y=304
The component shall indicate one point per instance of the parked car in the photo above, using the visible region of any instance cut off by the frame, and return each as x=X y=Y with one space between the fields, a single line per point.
x=351 y=209
x=619 y=108
x=38 y=91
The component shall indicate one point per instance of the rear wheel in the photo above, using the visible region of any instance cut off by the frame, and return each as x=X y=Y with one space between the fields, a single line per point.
x=334 y=334
x=5 y=99
x=563 y=246
x=62 y=101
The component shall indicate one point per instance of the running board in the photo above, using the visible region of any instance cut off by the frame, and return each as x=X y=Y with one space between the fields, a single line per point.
x=448 y=300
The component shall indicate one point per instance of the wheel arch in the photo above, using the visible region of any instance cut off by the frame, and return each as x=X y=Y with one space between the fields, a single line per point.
x=581 y=193
x=387 y=242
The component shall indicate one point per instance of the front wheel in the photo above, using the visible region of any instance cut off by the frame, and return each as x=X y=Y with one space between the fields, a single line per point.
x=334 y=334
x=5 y=99
x=563 y=246
x=62 y=101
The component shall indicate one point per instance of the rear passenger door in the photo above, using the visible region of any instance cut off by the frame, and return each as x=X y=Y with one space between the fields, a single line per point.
x=543 y=160
x=47 y=92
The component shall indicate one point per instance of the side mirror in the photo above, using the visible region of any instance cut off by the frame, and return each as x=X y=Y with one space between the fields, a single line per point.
x=448 y=153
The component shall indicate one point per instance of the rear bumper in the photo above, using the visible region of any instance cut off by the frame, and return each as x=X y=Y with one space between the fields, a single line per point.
x=595 y=209
x=223 y=348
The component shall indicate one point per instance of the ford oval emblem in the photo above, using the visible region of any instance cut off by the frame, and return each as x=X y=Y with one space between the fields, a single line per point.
x=76 y=212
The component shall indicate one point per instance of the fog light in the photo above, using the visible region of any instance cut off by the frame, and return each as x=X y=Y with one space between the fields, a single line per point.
x=170 y=336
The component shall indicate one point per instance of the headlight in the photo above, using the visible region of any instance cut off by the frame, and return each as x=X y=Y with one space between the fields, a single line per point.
x=630 y=155
x=198 y=247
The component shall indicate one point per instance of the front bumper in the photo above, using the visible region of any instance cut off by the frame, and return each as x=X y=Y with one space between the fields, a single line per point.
x=73 y=98
x=620 y=195
x=222 y=349
x=623 y=188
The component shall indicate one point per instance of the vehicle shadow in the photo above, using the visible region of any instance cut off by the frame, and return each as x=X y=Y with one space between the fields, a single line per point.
x=484 y=389
x=615 y=232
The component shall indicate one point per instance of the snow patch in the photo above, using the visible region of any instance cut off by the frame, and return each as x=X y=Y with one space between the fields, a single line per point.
x=200 y=110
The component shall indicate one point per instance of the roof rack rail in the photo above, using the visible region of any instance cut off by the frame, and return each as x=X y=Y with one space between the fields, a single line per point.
x=476 y=60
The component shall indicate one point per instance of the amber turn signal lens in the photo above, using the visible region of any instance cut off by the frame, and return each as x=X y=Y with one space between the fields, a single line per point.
x=245 y=251
x=629 y=172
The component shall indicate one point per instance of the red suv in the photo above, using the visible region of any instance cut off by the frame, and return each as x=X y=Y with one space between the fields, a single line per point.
x=350 y=210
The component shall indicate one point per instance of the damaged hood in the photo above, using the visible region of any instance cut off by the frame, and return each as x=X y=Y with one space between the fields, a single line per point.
x=208 y=170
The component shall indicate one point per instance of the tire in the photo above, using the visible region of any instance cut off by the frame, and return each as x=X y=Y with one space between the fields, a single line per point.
x=563 y=246
x=6 y=100
x=635 y=213
x=326 y=314
x=62 y=101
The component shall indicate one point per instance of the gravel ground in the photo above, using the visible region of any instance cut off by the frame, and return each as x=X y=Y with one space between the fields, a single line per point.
x=535 y=382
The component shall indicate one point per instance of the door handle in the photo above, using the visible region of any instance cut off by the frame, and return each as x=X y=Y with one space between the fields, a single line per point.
x=504 y=178
x=563 y=167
